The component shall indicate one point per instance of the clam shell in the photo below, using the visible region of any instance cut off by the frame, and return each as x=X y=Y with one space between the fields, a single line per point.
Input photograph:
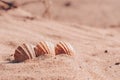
x=24 y=52
x=44 y=48
x=64 y=48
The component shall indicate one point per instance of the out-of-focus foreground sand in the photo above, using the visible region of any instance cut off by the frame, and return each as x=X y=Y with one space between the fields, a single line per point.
x=91 y=26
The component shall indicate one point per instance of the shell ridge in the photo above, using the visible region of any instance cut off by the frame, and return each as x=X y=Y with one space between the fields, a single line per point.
x=28 y=50
x=25 y=50
x=44 y=47
x=66 y=47
x=63 y=47
x=41 y=46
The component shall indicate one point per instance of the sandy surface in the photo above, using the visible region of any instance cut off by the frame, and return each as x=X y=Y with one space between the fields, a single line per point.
x=92 y=27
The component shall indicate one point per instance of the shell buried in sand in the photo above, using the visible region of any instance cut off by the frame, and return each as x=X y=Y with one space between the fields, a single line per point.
x=26 y=51
x=64 y=48
x=44 y=48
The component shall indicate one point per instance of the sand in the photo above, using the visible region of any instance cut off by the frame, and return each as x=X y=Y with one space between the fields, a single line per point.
x=93 y=32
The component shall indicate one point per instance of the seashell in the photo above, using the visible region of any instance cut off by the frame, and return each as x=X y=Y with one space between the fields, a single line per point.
x=64 y=48
x=44 y=48
x=24 y=52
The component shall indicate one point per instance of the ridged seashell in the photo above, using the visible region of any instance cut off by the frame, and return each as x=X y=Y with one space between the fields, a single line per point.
x=24 y=52
x=64 y=48
x=44 y=48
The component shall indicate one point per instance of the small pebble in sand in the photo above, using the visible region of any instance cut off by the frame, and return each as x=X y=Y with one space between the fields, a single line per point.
x=67 y=4
x=117 y=63
x=106 y=51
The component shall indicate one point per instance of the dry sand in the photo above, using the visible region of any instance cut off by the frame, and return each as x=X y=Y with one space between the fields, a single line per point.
x=97 y=48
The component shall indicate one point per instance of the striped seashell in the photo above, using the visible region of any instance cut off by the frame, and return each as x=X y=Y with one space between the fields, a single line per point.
x=44 y=48
x=64 y=48
x=24 y=52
